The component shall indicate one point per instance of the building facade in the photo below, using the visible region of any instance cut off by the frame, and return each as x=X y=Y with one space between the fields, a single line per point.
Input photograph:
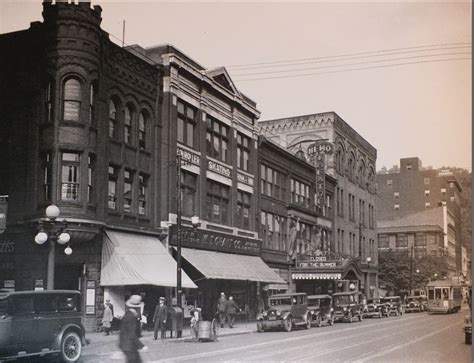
x=414 y=190
x=350 y=160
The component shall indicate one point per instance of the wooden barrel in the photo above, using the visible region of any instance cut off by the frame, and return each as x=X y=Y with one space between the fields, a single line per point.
x=204 y=330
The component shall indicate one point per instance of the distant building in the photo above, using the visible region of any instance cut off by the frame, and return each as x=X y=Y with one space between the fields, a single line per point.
x=352 y=163
x=413 y=190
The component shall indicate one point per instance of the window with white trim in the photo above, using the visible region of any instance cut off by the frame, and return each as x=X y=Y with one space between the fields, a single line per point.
x=70 y=176
x=72 y=100
x=112 y=187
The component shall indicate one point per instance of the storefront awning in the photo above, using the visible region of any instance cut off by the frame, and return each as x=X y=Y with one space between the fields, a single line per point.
x=227 y=266
x=133 y=259
x=278 y=287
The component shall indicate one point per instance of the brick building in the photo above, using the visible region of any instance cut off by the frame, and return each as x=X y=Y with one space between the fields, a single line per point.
x=406 y=194
x=350 y=160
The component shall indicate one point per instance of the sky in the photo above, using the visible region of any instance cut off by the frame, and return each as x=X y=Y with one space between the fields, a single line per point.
x=398 y=72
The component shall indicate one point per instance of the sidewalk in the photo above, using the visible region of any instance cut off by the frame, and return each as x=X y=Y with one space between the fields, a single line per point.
x=99 y=339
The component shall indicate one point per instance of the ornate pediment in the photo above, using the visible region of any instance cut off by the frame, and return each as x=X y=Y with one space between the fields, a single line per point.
x=220 y=76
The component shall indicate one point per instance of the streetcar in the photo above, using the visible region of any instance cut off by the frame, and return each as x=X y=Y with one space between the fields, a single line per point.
x=444 y=296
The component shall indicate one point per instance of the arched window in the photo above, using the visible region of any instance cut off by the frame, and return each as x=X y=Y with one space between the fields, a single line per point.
x=142 y=130
x=112 y=119
x=127 y=129
x=72 y=100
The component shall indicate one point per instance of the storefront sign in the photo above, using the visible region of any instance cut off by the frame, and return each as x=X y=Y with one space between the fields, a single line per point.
x=215 y=241
x=189 y=156
x=319 y=260
x=316 y=276
x=90 y=297
x=39 y=285
x=317 y=153
x=3 y=213
x=9 y=284
x=245 y=179
x=218 y=168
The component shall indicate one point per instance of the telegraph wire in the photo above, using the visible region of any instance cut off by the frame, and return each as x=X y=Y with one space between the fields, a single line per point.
x=350 y=70
x=351 y=64
x=396 y=50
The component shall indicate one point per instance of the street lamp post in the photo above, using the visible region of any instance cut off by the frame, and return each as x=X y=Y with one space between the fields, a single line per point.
x=367 y=281
x=54 y=231
x=411 y=268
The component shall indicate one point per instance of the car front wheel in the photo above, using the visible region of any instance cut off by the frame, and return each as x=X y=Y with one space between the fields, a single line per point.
x=288 y=324
x=71 y=347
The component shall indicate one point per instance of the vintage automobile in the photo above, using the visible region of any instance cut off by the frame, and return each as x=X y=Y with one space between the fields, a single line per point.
x=321 y=309
x=467 y=328
x=285 y=311
x=348 y=305
x=376 y=308
x=416 y=303
x=394 y=305
x=34 y=323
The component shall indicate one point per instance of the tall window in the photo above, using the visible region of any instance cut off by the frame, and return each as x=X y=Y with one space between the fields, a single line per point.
x=48 y=100
x=188 y=191
x=70 y=176
x=142 y=193
x=127 y=190
x=90 y=178
x=272 y=182
x=112 y=119
x=186 y=124
x=351 y=207
x=300 y=193
x=273 y=231
x=243 y=209
x=72 y=100
x=127 y=128
x=217 y=140
x=401 y=241
x=142 y=125
x=112 y=187
x=92 y=104
x=243 y=152
x=46 y=166
x=217 y=202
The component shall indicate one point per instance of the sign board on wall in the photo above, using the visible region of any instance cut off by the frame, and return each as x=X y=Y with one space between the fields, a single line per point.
x=90 y=297
x=317 y=153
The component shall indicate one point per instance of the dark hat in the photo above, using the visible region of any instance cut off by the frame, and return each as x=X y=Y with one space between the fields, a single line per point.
x=135 y=301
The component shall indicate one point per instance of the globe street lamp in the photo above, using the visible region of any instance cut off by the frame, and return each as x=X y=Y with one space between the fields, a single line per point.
x=54 y=231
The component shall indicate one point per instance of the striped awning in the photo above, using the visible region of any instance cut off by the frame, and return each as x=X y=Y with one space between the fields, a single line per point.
x=316 y=276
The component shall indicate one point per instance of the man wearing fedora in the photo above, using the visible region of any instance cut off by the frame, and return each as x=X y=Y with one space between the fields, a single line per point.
x=221 y=305
x=159 y=318
x=129 y=342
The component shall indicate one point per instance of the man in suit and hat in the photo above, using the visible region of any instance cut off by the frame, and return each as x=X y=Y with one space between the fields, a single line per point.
x=159 y=318
x=129 y=342
x=221 y=305
x=231 y=309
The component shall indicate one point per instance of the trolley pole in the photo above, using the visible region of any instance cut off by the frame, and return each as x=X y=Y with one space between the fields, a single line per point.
x=178 y=233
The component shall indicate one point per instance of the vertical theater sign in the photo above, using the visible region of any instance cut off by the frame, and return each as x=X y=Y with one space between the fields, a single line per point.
x=317 y=155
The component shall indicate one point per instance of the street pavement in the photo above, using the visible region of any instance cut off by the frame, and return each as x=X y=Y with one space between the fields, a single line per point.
x=415 y=337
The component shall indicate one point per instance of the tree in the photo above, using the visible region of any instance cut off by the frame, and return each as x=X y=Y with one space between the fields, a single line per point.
x=383 y=170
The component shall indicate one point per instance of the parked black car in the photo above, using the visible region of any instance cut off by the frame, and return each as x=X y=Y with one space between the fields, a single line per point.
x=394 y=304
x=41 y=323
x=285 y=311
x=416 y=303
x=376 y=308
x=321 y=309
x=348 y=305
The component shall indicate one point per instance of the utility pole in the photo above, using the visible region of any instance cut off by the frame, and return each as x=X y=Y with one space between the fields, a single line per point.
x=411 y=268
x=178 y=232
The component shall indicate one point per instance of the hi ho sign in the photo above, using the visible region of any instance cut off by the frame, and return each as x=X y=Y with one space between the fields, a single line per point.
x=316 y=153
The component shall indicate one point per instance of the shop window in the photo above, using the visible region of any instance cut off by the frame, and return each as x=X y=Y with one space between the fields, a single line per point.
x=70 y=176
x=186 y=124
x=127 y=190
x=112 y=187
x=217 y=140
x=217 y=202
x=243 y=209
x=243 y=152
x=389 y=182
x=72 y=100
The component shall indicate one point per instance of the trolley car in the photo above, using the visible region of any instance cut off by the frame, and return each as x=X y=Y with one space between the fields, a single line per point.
x=444 y=296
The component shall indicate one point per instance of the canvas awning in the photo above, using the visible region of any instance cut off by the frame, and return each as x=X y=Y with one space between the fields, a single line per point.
x=133 y=259
x=276 y=287
x=227 y=266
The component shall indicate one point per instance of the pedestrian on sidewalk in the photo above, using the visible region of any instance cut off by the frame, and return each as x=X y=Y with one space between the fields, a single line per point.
x=231 y=309
x=159 y=318
x=221 y=306
x=129 y=342
x=107 y=319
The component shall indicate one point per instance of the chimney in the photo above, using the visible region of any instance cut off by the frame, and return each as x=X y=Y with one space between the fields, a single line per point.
x=85 y=4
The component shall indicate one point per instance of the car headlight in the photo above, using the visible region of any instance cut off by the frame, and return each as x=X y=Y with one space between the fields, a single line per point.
x=344 y=308
x=265 y=313
x=278 y=312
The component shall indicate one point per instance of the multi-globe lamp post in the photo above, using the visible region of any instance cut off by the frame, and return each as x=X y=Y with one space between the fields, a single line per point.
x=55 y=231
